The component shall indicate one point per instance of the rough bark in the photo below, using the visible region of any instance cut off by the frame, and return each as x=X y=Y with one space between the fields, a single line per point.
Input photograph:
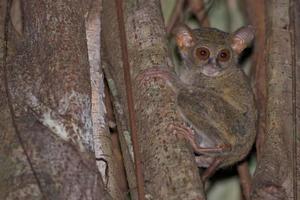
x=45 y=86
x=295 y=19
x=111 y=63
x=118 y=158
x=168 y=164
x=106 y=161
x=273 y=176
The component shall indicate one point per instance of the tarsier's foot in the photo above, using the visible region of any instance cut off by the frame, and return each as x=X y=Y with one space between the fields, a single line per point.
x=211 y=164
x=189 y=134
x=205 y=161
x=211 y=169
x=154 y=72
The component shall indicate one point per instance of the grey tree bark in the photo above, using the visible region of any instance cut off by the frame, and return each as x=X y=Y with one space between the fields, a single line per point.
x=169 y=168
x=275 y=176
x=46 y=146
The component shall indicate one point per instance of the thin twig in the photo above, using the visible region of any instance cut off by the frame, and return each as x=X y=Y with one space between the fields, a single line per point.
x=121 y=179
x=257 y=16
x=245 y=179
x=198 y=9
x=130 y=101
x=176 y=15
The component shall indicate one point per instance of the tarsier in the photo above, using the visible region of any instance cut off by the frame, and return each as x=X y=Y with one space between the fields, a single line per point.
x=214 y=96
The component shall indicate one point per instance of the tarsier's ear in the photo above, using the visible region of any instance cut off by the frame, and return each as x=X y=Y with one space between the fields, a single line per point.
x=184 y=37
x=242 y=38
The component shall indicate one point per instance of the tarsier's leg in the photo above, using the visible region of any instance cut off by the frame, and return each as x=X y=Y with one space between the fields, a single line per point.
x=189 y=135
x=211 y=169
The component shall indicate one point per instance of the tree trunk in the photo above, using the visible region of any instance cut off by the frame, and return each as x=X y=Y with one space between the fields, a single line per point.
x=106 y=161
x=47 y=143
x=52 y=111
x=168 y=164
x=273 y=178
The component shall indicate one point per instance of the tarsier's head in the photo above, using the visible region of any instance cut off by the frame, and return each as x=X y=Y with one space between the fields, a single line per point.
x=210 y=50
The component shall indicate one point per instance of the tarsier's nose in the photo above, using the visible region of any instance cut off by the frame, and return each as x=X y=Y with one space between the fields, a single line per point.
x=211 y=68
x=212 y=61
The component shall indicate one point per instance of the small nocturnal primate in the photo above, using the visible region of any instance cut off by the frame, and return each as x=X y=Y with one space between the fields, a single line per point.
x=214 y=96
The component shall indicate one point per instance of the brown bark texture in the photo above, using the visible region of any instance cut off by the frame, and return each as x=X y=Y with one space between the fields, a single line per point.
x=111 y=63
x=274 y=176
x=46 y=146
x=106 y=161
x=168 y=164
x=295 y=16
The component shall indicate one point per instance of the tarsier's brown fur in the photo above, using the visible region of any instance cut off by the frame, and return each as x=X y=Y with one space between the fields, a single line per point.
x=214 y=96
x=223 y=110
x=220 y=108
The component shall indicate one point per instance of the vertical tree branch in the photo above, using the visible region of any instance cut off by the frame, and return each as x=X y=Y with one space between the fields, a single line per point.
x=118 y=157
x=48 y=80
x=102 y=139
x=169 y=168
x=176 y=15
x=295 y=33
x=273 y=176
x=245 y=179
x=130 y=101
x=256 y=15
x=199 y=10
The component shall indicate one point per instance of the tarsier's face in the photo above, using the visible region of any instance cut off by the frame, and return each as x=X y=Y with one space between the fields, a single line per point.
x=211 y=51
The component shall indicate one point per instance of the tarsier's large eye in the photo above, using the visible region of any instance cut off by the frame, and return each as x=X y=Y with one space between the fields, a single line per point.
x=224 y=55
x=202 y=53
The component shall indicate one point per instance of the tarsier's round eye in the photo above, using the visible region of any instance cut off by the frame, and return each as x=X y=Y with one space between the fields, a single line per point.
x=224 y=55
x=202 y=53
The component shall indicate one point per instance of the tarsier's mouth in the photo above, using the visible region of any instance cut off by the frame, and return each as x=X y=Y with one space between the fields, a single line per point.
x=211 y=71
